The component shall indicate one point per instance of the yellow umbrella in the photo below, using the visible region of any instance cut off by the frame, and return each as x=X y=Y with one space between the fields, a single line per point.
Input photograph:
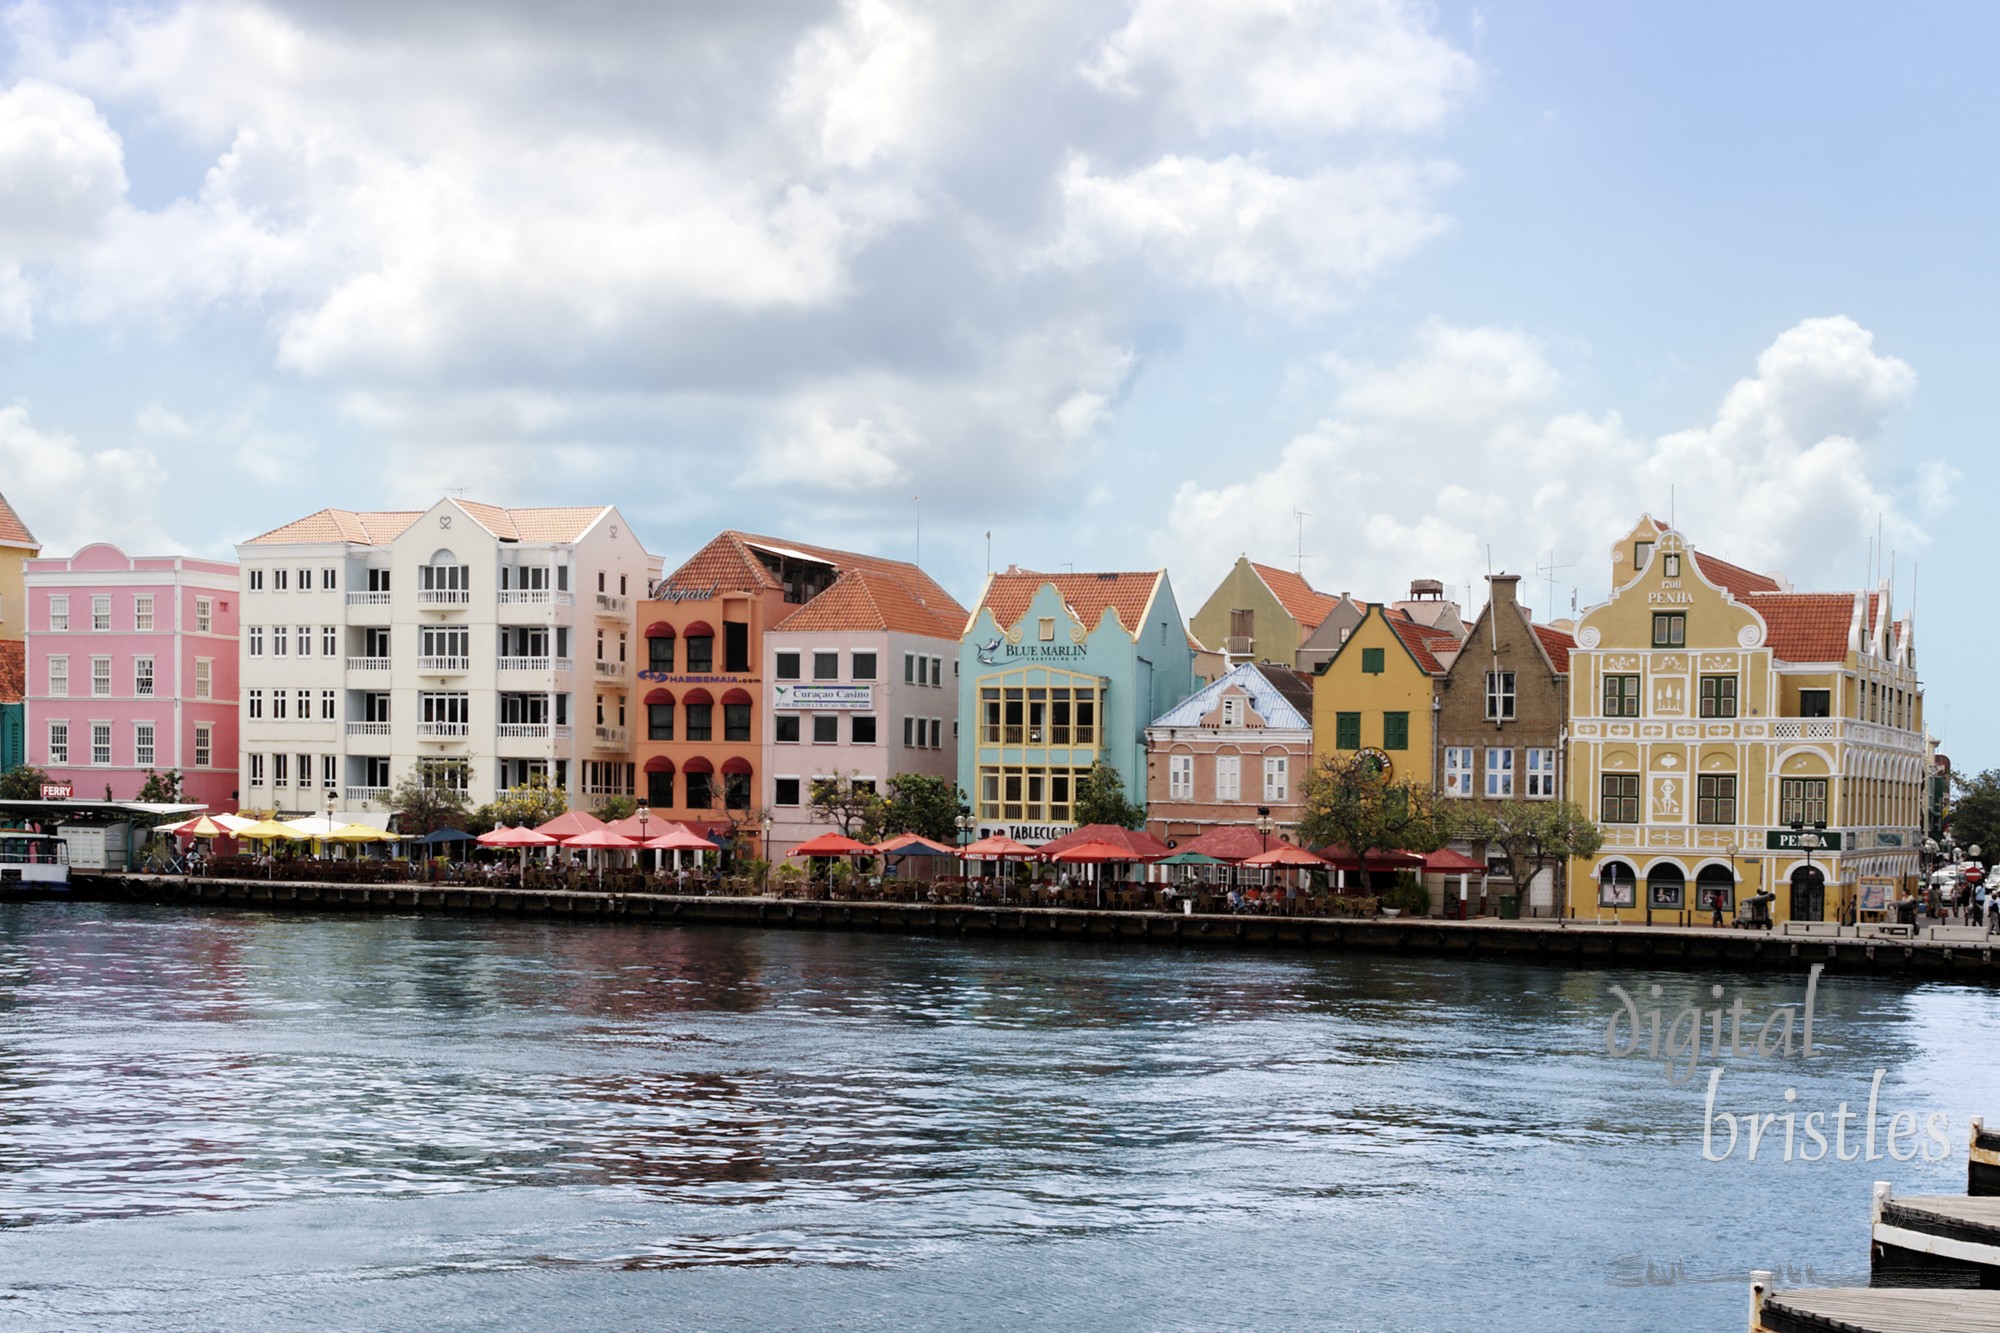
x=265 y=830
x=357 y=833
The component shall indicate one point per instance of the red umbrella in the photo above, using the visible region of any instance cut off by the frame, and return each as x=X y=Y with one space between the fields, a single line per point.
x=570 y=823
x=1284 y=854
x=999 y=847
x=832 y=844
x=515 y=837
x=600 y=837
x=910 y=841
x=678 y=839
x=1097 y=853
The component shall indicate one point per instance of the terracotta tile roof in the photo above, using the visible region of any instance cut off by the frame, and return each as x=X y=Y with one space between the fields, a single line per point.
x=863 y=600
x=1302 y=602
x=1423 y=641
x=1557 y=645
x=1086 y=595
x=13 y=532
x=1806 y=626
x=1736 y=580
x=729 y=563
x=341 y=525
x=559 y=524
x=13 y=671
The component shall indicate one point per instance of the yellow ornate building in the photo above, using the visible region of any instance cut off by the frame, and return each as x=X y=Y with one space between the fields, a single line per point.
x=1711 y=707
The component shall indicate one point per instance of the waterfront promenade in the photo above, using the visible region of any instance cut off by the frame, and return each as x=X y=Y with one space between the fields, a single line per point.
x=1935 y=952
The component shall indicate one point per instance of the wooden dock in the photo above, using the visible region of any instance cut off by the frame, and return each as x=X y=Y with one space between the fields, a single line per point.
x=1872 y=1310
x=1963 y=956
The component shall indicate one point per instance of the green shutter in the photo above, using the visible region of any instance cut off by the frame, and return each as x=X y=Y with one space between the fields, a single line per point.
x=1347 y=731
x=1395 y=731
x=1371 y=661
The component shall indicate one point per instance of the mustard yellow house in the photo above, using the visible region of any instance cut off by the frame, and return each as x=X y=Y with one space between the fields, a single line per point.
x=1377 y=694
x=17 y=547
x=1712 y=708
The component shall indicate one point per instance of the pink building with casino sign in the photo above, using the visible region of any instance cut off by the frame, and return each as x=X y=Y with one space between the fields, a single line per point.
x=131 y=666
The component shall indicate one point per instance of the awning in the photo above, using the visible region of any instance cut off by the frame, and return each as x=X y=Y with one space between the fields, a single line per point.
x=738 y=765
x=699 y=629
x=660 y=697
x=697 y=695
x=697 y=765
x=659 y=763
x=1447 y=862
x=737 y=697
x=659 y=629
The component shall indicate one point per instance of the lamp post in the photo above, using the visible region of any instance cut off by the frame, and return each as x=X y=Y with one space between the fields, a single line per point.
x=765 y=849
x=326 y=847
x=1810 y=841
x=645 y=813
x=965 y=824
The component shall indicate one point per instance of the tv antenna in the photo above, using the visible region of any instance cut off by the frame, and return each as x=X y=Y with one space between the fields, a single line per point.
x=1300 y=516
x=1549 y=572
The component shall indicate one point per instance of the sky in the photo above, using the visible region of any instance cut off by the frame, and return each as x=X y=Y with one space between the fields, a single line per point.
x=1379 y=289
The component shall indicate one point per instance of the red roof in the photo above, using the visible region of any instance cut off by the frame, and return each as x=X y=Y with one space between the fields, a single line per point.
x=1807 y=626
x=13 y=532
x=1302 y=602
x=1734 y=579
x=1557 y=645
x=1423 y=641
x=13 y=671
x=729 y=563
x=863 y=600
x=1087 y=596
x=1132 y=840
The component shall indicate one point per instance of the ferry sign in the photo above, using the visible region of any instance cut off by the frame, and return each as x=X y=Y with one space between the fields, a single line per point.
x=57 y=791
x=1784 y=840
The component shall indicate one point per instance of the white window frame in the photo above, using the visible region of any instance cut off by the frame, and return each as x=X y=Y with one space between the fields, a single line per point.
x=1458 y=770
x=204 y=677
x=142 y=612
x=253 y=702
x=142 y=676
x=1277 y=778
x=100 y=613
x=1541 y=773
x=59 y=615
x=305 y=641
x=100 y=677
x=256 y=770
x=1180 y=777
x=204 y=614
x=329 y=641
x=1229 y=777
x=59 y=742
x=59 y=676
x=143 y=747
x=1499 y=772
x=1500 y=696
x=253 y=640
x=1232 y=710
x=100 y=744
x=328 y=705
x=204 y=745
x=278 y=635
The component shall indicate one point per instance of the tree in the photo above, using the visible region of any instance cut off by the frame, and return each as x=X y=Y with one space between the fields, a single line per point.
x=853 y=808
x=1100 y=799
x=1347 y=800
x=22 y=783
x=1531 y=835
x=530 y=805
x=925 y=806
x=616 y=808
x=431 y=796
x=1975 y=812
x=161 y=789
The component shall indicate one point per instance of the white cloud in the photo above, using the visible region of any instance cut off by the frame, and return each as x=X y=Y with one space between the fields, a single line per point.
x=861 y=86
x=1238 y=227
x=64 y=491
x=61 y=169
x=1749 y=486
x=1300 y=66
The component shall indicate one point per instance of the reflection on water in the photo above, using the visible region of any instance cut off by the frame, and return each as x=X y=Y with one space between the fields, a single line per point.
x=352 y=1119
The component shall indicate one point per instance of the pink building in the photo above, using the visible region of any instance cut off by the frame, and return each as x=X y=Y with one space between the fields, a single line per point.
x=131 y=666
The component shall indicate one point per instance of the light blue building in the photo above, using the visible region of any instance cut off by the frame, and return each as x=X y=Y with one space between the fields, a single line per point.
x=1057 y=672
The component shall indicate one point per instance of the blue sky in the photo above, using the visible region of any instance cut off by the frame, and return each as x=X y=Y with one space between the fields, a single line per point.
x=1124 y=283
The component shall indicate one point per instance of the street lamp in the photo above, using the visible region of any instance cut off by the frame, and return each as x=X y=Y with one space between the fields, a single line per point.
x=765 y=849
x=965 y=824
x=1811 y=841
x=1264 y=824
x=645 y=813
x=326 y=848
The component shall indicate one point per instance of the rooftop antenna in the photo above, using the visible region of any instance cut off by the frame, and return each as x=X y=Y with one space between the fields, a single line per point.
x=1300 y=516
x=919 y=501
x=1672 y=521
x=989 y=553
x=1492 y=623
x=1548 y=571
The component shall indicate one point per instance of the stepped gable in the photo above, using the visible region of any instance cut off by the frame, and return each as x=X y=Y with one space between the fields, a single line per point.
x=13 y=671
x=1302 y=602
x=13 y=532
x=1087 y=596
x=1806 y=626
x=1735 y=580
x=341 y=525
x=1557 y=645
x=729 y=563
x=861 y=600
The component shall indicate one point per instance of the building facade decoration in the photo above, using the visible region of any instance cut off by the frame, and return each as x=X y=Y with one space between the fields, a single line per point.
x=1379 y=692
x=1229 y=750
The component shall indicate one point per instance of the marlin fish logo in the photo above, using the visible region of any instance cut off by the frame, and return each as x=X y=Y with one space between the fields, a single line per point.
x=986 y=651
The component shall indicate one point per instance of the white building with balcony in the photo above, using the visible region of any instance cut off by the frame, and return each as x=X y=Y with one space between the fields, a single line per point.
x=475 y=644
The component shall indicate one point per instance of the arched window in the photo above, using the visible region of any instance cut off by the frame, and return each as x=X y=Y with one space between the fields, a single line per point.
x=660 y=646
x=660 y=715
x=700 y=637
x=660 y=782
x=700 y=705
x=700 y=783
x=1666 y=888
x=736 y=716
x=1715 y=887
x=1617 y=885
x=736 y=783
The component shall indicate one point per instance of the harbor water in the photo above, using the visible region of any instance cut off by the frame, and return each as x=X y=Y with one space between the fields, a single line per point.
x=216 y=1118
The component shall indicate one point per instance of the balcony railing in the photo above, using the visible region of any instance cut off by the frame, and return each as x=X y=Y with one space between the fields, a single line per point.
x=611 y=604
x=535 y=597
x=443 y=731
x=443 y=666
x=1239 y=645
x=366 y=795
x=522 y=731
x=368 y=728
x=368 y=599
x=524 y=663
x=444 y=597
x=614 y=736
x=368 y=663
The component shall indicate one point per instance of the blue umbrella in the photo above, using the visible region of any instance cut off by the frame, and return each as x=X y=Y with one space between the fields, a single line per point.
x=447 y=835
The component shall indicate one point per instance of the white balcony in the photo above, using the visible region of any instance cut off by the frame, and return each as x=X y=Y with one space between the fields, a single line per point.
x=367 y=795
x=368 y=728
x=563 y=664
x=368 y=599
x=525 y=663
x=522 y=731
x=443 y=731
x=443 y=666
x=611 y=737
x=368 y=663
x=444 y=597
x=611 y=604
x=525 y=596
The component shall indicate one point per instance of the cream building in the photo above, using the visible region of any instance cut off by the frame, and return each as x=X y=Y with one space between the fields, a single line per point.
x=475 y=644
x=1710 y=708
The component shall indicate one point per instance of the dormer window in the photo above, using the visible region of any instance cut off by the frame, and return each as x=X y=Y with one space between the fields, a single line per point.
x=1670 y=565
x=1642 y=555
x=1045 y=629
x=1232 y=710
